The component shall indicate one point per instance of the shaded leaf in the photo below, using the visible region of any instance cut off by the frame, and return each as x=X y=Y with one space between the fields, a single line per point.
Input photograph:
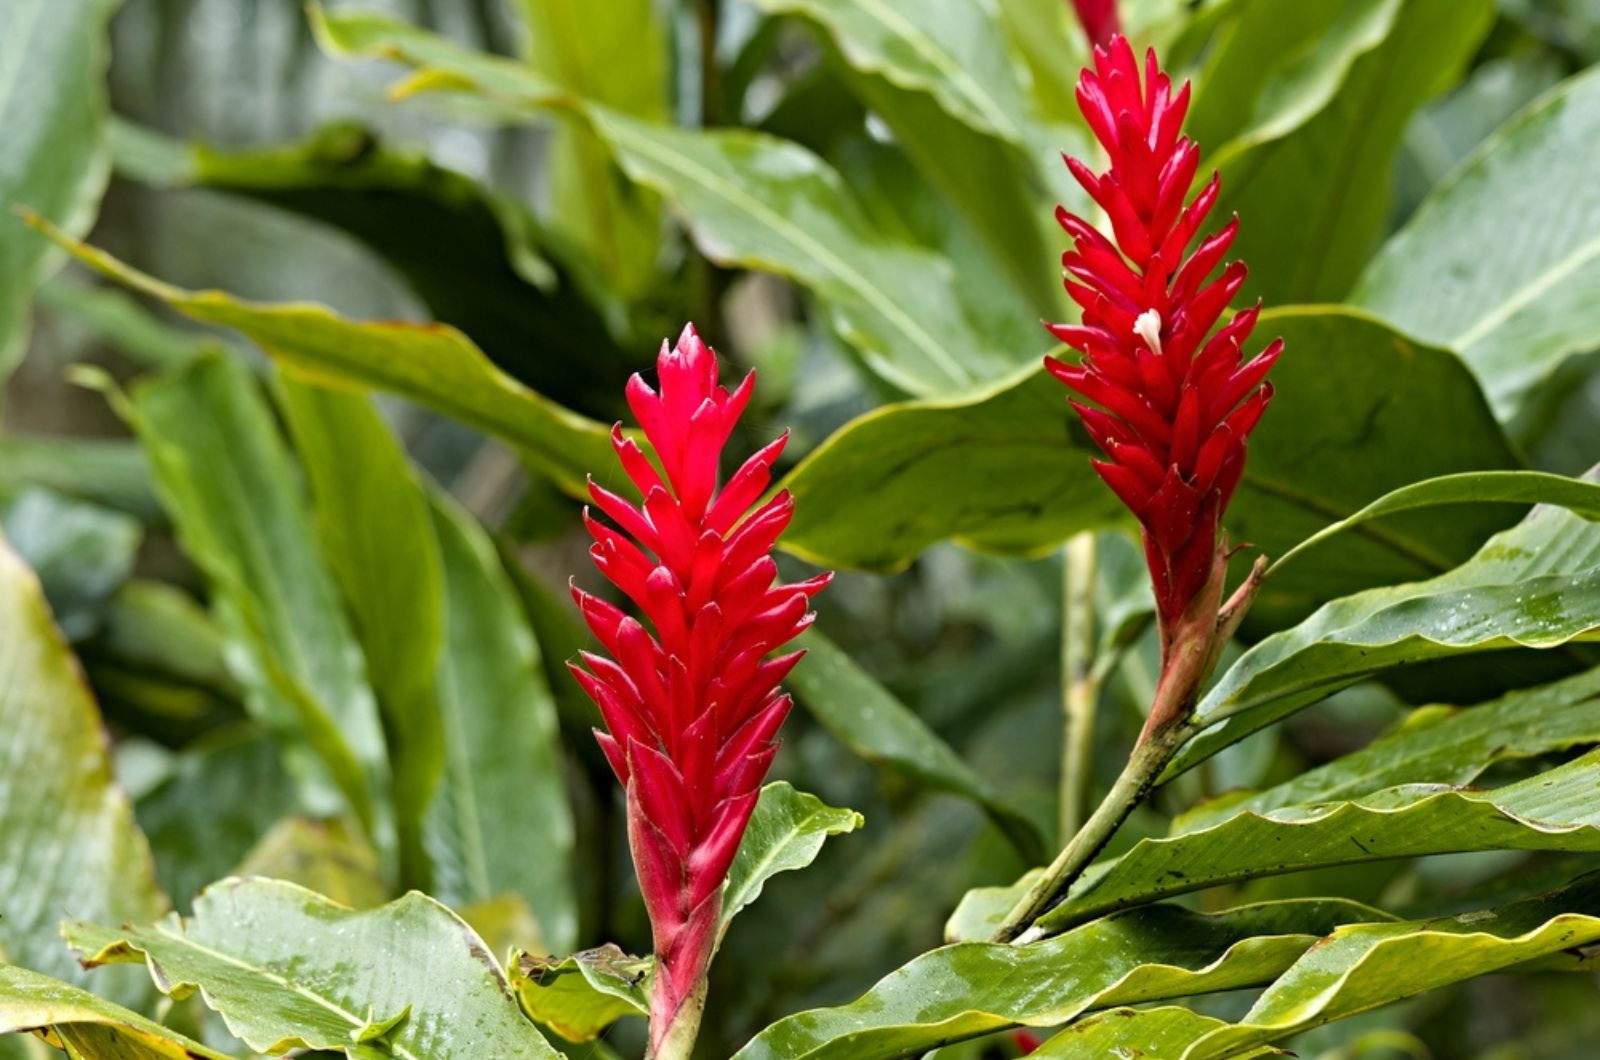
x=1154 y=1032
x=327 y=857
x=1312 y=204
x=501 y=821
x=581 y=995
x=870 y=721
x=53 y=108
x=1515 y=307
x=785 y=833
x=1555 y=810
x=113 y=473
x=96 y=1029
x=1531 y=586
x=230 y=485
x=975 y=988
x=431 y=363
x=287 y=969
x=81 y=553
x=67 y=834
x=372 y=523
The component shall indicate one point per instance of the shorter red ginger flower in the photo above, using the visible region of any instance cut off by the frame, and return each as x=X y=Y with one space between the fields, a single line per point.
x=1173 y=403
x=1099 y=18
x=691 y=711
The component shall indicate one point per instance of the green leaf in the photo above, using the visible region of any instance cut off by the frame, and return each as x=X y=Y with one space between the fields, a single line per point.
x=1360 y=967
x=614 y=54
x=751 y=200
x=1515 y=308
x=974 y=988
x=871 y=722
x=1276 y=68
x=112 y=473
x=1359 y=411
x=1507 y=487
x=501 y=821
x=1154 y=1032
x=431 y=363
x=785 y=834
x=81 y=552
x=322 y=856
x=581 y=995
x=289 y=969
x=90 y=1026
x=1555 y=810
x=1435 y=745
x=53 y=108
x=67 y=835
x=1312 y=204
x=230 y=485
x=474 y=259
x=1531 y=586
x=371 y=519
x=113 y=317
x=223 y=794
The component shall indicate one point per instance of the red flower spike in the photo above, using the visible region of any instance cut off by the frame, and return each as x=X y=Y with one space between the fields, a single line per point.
x=691 y=708
x=1172 y=398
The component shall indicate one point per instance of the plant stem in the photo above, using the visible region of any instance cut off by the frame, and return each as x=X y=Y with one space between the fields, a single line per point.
x=1138 y=777
x=676 y=1040
x=1080 y=686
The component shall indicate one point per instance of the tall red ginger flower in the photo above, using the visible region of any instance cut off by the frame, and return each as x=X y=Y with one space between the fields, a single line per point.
x=1171 y=407
x=690 y=712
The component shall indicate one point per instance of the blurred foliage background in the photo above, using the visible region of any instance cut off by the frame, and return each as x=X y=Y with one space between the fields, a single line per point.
x=308 y=181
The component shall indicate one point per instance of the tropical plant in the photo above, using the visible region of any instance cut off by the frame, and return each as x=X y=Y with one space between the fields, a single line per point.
x=307 y=753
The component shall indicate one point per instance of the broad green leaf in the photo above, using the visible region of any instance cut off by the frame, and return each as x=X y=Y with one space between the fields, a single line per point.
x=785 y=833
x=81 y=552
x=1359 y=411
x=223 y=794
x=1508 y=487
x=947 y=83
x=371 y=518
x=430 y=363
x=1435 y=745
x=94 y=1028
x=230 y=484
x=1275 y=68
x=53 y=108
x=975 y=988
x=473 y=258
x=614 y=54
x=290 y=969
x=751 y=200
x=1360 y=967
x=870 y=721
x=1534 y=585
x=1515 y=307
x=113 y=473
x=67 y=834
x=1312 y=204
x=581 y=995
x=1555 y=810
x=501 y=821
x=1159 y=1032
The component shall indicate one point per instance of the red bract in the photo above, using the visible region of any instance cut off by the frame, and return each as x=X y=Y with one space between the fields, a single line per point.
x=1171 y=407
x=1099 y=19
x=690 y=711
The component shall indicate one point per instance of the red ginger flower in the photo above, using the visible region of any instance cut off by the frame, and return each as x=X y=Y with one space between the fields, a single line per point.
x=1172 y=408
x=691 y=712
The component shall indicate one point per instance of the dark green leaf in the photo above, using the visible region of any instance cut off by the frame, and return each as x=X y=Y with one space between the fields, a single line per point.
x=785 y=833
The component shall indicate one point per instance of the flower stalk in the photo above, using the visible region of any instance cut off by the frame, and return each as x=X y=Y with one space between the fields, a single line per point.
x=1168 y=396
x=691 y=705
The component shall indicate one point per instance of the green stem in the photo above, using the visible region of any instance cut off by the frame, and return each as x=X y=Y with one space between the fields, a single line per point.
x=1080 y=685
x=1138 y=777
x=676 y=1040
